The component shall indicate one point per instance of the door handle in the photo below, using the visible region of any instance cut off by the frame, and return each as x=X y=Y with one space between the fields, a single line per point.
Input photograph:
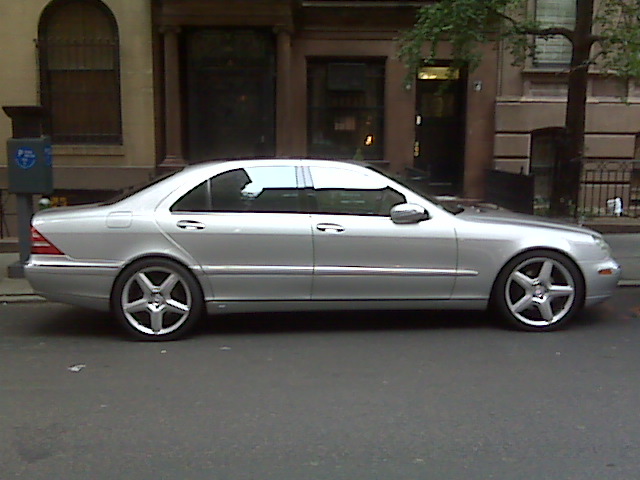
x=330 y=227
x=190 y=225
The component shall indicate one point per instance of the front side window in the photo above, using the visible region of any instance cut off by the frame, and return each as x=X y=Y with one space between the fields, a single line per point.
x=345 y=192
x=554 y=52
x=253 y=189
x=79 y=72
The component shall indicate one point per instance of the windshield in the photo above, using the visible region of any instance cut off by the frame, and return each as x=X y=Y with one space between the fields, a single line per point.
x=416 y=181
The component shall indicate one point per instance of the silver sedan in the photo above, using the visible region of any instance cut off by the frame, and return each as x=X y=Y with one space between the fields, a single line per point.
x=293 y=235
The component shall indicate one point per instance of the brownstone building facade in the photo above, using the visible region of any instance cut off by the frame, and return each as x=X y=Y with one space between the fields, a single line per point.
x=133 y=87
x=315 y=79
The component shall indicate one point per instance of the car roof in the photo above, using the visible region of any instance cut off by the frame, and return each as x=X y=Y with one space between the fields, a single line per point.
x=271 y=161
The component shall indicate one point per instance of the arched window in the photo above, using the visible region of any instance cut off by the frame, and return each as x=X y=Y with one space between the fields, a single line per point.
x=80 y=72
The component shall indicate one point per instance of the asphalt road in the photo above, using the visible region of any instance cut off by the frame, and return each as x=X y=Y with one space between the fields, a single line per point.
x=323 y=396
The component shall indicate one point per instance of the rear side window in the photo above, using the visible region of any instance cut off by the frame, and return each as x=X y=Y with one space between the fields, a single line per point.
x=252 y=189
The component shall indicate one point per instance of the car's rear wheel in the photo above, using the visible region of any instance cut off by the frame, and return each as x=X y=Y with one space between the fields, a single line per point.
x=538 y=291
x=157 y=299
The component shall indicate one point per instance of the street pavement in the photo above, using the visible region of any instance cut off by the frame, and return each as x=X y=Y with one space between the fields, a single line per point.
x=625 y=246
x=324 y=396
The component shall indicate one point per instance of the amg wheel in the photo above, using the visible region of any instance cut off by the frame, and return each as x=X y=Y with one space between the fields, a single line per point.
x=538 y=290
x=157 y=299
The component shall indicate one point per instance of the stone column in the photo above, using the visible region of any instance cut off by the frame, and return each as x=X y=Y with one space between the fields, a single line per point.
x=283 y=93
x=174 y=156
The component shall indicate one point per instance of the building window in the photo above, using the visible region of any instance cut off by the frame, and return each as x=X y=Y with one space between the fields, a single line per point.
x=346 y=109
x=80 y=73
x=554 y=52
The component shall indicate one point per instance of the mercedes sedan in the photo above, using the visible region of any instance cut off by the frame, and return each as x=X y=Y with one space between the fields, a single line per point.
x=292 y=235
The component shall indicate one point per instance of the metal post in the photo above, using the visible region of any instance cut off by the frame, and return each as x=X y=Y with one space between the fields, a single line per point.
x=24 y=209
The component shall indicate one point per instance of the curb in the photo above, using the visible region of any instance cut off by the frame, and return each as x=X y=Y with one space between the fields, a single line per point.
x=22 y=298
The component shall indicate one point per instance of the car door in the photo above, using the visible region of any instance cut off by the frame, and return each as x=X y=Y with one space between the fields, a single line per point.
x=360 y=253
x=247 y=230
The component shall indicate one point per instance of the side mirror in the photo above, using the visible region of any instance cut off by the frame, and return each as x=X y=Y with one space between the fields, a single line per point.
x=406 y=213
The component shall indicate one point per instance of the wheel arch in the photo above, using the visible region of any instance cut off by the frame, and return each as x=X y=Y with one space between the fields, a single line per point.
x=152 y=256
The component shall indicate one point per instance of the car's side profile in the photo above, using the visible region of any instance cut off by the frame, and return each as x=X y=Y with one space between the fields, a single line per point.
x=274 y=235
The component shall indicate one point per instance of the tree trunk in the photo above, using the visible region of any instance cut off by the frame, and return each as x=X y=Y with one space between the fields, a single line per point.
x=567 y=173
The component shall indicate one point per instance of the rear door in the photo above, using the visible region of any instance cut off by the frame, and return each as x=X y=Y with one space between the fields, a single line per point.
x=247 y=229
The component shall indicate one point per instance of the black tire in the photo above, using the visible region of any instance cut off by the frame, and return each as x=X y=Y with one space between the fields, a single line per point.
x=538 y=290
x=157 y=299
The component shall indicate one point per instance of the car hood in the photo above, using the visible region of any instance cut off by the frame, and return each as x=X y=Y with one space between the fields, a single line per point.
x=501 y=216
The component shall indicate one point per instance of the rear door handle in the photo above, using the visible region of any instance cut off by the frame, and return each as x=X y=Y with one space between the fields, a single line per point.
x=330 y=227
x=190 y=225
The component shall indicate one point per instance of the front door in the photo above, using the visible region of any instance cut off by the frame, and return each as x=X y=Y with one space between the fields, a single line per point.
x=359 y=253
x=231 y=94
x=440 y=129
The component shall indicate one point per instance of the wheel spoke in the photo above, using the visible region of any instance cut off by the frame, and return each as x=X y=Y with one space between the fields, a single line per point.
x=523 y=280
x=546 y=271
x=169 y=283
x=145 y=284
x=136 y=306
x=157 y=316
x=545 y=310
x=177 y=307
x=522 y=304
x=560 y=291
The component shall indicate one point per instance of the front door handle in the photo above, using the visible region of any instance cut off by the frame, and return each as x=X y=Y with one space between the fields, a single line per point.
x=330 y=227
x=190 y=225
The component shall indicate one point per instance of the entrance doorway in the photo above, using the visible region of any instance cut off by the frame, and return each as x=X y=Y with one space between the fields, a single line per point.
x=545 y=156
x=440 y=128
x=231 y=94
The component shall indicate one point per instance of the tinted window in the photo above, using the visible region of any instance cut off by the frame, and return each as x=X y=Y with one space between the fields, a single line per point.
x=254 y=189
x=341 y=191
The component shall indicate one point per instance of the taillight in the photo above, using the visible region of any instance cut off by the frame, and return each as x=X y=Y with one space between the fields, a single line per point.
x=42 y=246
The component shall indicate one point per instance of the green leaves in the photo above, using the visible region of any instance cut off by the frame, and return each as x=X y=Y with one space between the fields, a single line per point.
x=618 y=28
x=465 y=24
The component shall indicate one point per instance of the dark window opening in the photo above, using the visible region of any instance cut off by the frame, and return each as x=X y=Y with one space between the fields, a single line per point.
x=80 y=72
x=346 y=109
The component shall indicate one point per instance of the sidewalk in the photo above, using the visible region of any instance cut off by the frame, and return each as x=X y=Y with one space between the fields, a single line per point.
x=14 y=289
x=625 y=246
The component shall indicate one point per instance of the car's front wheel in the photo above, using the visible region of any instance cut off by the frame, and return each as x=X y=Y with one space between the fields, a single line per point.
x=538 y=290
x=157 y=299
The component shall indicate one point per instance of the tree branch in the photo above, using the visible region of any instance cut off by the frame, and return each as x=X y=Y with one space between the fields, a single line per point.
x=550 y=31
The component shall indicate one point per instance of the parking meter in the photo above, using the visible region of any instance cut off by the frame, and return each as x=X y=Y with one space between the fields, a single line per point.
x=29 y=165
